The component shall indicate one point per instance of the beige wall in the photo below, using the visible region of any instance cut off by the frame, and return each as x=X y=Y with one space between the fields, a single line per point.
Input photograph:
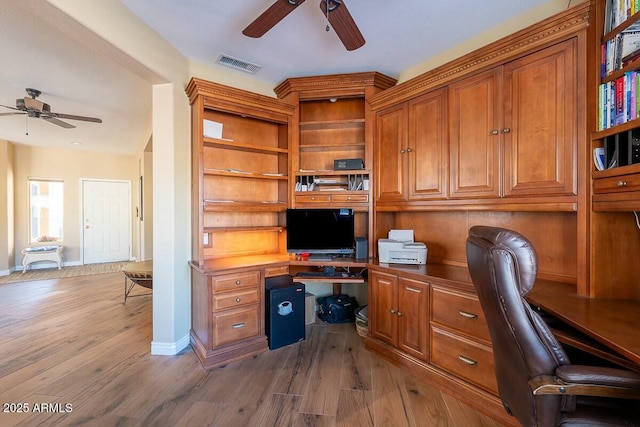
x=70 y=166
x=7 y=250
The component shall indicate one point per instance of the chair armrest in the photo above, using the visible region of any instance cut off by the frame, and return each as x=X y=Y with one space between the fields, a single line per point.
x=588 y=381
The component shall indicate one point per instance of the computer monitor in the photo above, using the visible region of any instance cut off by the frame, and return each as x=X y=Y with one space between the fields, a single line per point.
x=320 y=231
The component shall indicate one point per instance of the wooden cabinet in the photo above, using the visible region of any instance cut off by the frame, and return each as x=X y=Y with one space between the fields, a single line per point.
x=460 y=341
x=227 y=315
x=475 y=111
x=522 y=116
x=502 y=136
x=240 y=171
x=412 y=150
x=399 y=312
x=541 y=123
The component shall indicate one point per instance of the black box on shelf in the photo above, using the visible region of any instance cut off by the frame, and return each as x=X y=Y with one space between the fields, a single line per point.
x=348 y=164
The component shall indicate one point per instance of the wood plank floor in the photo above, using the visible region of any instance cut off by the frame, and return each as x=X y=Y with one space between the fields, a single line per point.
x=71 y=354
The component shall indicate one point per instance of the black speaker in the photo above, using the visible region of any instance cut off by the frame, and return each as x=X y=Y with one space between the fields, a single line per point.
x=362 y=249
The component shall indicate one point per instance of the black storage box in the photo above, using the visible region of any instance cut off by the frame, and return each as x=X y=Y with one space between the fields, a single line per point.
x=348 y=164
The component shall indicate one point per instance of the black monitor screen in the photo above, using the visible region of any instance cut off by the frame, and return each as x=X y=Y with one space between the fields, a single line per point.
x=324 y=231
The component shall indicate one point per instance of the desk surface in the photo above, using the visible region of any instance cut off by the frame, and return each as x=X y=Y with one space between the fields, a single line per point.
x=611 y=322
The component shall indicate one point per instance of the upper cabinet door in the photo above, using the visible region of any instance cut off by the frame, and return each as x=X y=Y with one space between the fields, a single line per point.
x=540 y=126
x=475 y=125
x=391 y=154
x=427 y=151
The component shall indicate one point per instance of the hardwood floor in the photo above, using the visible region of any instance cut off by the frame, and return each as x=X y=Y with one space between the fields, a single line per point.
x=72 y=354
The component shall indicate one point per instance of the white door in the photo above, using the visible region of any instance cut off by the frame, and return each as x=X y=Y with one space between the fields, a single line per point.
x=106 y=221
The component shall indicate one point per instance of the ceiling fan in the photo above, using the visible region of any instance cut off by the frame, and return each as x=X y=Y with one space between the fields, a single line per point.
x=335 y=11
x=30 y=106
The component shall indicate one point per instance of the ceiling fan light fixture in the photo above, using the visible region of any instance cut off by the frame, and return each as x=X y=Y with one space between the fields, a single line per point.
x=238 y=64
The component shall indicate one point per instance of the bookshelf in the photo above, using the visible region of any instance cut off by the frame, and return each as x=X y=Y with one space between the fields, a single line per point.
x=617 y=134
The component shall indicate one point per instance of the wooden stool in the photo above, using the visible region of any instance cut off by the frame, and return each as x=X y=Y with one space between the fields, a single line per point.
x=137 y=273
x=42 y=253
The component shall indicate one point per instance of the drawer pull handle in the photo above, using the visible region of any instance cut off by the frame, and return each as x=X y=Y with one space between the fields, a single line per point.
x=621 y=183
x=238 y=299
x=238 y=282
x=467 y=314
x=468 y=361
x=238 y=325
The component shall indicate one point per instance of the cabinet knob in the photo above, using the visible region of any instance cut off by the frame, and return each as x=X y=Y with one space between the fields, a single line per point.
x=621 y=183
x=494 y=132
x=238 y=299
x=238 y=282
x=348 y=197
x=402 y=151
x=392 y=311
x=506 y=130
x=399 y=314
x=409 y=150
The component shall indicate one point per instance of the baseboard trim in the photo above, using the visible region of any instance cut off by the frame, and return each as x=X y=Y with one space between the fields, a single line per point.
x=169 y=349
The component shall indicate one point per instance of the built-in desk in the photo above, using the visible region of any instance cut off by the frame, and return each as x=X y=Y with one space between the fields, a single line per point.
x=613 y=323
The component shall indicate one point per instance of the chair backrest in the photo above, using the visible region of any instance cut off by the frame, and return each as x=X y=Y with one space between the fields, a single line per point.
x=503 y=267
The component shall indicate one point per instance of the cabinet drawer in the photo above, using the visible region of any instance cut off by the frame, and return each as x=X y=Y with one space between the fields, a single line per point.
x=617 y=184
x=350 y=198
x=276 y=270
x=459 y=311
x=467 y=359
x=228 y=282
x=235 y=299
x=308 y=198
x=235 y=325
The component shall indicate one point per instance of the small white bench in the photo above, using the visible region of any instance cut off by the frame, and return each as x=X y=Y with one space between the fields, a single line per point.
x=42 y=253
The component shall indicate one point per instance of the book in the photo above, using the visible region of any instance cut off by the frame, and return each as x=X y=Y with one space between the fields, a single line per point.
x=598 y=158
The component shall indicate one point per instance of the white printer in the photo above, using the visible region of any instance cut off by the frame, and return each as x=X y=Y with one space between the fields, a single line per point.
x=400 y=248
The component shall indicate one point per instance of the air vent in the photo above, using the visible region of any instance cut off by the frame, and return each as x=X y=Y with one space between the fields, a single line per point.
x=238 y=64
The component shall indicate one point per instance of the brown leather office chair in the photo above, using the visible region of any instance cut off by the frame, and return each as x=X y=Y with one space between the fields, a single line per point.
x=536 y=382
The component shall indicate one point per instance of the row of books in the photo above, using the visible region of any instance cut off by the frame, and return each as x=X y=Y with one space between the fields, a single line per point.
x=618 y=100
x=617 y=11
x=620 y=50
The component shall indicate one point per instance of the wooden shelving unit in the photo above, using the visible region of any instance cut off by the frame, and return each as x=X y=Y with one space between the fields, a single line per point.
x=240 y=191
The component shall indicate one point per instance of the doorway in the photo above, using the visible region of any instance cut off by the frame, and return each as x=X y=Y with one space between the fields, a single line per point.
x=106 y=221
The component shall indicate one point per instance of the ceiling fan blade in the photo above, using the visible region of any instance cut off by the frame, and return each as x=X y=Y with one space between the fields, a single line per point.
x=10 y=114
x=55 y=121
x=72 y=117
x=11 y=108
x=343 y=24
x=270 y=17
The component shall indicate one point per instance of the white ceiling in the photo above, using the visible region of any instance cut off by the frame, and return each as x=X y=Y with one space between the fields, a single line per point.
x=74 y=79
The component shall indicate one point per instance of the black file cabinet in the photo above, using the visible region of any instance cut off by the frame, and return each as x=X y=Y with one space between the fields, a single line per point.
x=285 y=310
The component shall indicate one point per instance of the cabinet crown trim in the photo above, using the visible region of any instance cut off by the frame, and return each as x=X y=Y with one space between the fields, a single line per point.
x=555 y=28
x=346 y=84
